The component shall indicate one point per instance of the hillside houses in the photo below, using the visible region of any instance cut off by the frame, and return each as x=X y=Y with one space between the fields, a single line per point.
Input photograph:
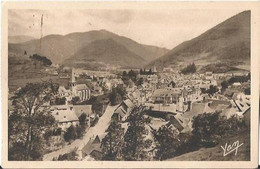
x=68 y=115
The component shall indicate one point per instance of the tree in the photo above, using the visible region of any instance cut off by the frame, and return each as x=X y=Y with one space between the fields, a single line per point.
x=70 y=134
x=75 y=100
x=44 y=60
x=212 y=89
x=134 y=146
x=115 y=98
x=60 y=101
x=140 y=81
x=224 y=85
x=189 y=69
x=113 y=142
x=80 y=131
x=82 y=119
x=117 y=94
x=141 y=71
x=25 y=53
x=208 y=128
x=132 y=75
x=247 y=91
x=150 y=71
x=166 y=142
x=82 y=125
x=240 y=79
x=29 y=120
x=124 y=73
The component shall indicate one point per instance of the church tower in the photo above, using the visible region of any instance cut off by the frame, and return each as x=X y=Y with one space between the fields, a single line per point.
x=73 y=79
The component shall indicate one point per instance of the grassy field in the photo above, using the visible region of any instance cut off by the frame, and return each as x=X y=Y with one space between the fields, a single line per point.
x=15 y=83
x=22 y=70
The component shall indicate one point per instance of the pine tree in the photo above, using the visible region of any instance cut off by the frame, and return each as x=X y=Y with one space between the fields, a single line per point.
x=134 y=147
x=113 y=142
x=166 y=143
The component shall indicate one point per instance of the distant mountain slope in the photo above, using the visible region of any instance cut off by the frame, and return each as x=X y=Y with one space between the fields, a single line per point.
x=19 y=39
x=106 y=51
x=228 y=42
x=59 y=48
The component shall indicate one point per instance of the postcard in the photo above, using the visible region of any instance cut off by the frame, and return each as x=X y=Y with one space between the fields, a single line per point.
x=130 y=84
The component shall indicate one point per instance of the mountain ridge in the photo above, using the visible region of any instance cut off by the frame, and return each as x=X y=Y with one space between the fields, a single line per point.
x=60 y=47
x=105 y=51
x=228 y=41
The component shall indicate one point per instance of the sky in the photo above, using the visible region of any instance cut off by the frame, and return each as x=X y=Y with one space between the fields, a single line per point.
x=162 y=28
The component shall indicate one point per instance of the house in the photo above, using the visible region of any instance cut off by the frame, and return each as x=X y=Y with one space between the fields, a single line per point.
x=180 y=122
x=242 y=101
x=79 y=109
x=167 y=96
x=236 y=84
x=93 y=147
x=63 y=92
x=64 y=76
x=65 y=116
x=123 y=109
x=208 y=75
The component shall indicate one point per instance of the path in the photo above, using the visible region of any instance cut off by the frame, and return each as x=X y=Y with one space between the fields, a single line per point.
x=99 y=128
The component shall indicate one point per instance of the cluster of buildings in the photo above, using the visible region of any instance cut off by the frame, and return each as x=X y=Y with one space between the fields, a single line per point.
x=169 y=99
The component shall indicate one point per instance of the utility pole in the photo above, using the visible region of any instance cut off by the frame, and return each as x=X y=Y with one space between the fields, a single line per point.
x=41 y=33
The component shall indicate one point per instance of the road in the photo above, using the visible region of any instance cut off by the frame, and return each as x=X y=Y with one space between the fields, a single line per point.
x=99 y=128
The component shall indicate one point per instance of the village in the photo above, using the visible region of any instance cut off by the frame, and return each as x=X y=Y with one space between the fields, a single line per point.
x=167 y=97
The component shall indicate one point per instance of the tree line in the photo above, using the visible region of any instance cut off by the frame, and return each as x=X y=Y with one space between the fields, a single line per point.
x=132 y=145
x=42 y=59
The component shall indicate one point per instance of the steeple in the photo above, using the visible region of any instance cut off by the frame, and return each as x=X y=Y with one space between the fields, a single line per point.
x=73 y=80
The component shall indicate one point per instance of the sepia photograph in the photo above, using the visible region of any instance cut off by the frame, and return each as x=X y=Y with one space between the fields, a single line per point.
x=130 y=84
